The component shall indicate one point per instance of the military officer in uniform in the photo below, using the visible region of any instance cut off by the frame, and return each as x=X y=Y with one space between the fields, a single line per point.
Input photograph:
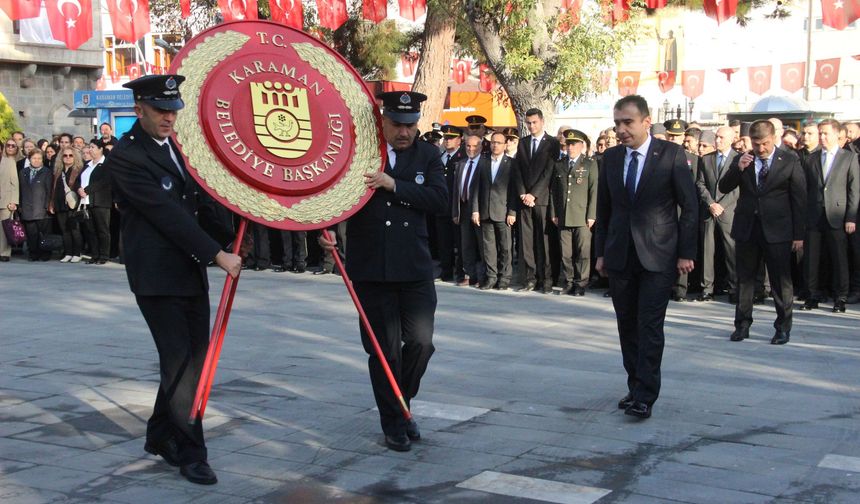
x=166 y=253
x=677 y=132
x=573 y=208
x=388 y=259
x=448 y=233
x=477 y=125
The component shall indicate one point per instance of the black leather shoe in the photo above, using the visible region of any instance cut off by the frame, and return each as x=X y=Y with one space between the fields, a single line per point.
x=639 y=410
x=740 y=335
x=579 y=291
x=279 y=269
x=528 y=287
x=607 y=294
x=679 y=299
x=412 y=431
x=779 y=338
x=759 y=299
x=567 y=289
x=326 y=272
x=102 y=261
x=704 y=298
x=503 y=286
x=853 y=298
x=625 y=402
x=199 y=472
x=733 y=298
x=547 y=289
x=300 y=269
x=839 y=307
x=486 y=285
x=398 y=442
x=809 y=305
x=166 y=450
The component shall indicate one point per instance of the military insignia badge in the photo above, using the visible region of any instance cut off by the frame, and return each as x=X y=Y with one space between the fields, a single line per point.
x=167 y=183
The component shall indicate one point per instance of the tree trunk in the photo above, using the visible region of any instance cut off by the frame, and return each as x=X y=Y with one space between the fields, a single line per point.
x=525 y=95
x=431 y=76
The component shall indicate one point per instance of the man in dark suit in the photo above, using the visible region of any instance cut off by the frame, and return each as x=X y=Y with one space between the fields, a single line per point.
x=720 y=214
x=388 y=259
x=573 y=209
x=465 y=190
x=166 y=253
x=769 y=222
x=677 y=132
x=833 y=184
x=493 y=212
x=642 y=242
x=536 y=154
x=448 y=233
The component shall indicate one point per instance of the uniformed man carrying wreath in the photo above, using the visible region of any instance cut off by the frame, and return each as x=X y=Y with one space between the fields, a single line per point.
x=166 y=253
x=388 y=260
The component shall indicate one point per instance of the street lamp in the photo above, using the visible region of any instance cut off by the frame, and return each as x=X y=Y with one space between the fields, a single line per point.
x=678 y=112
x=667 y=108
x=690 y=106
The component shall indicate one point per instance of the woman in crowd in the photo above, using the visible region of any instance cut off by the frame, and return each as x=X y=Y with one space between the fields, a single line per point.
x=51 y=154
x=41 y=144
x=35 y=182
x=28 y=146
x=8 y=192
x=67 y=171
x=95 y=193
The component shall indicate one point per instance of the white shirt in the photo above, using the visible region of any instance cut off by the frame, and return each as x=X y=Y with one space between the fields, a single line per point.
x=392 y=156
x=640 y=161
x=85 y=178
x=827 y=158
x=463 y=180
x=494 y=167
x=447 y=155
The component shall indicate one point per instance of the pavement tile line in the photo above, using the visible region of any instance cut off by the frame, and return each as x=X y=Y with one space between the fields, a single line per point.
x=533 y=488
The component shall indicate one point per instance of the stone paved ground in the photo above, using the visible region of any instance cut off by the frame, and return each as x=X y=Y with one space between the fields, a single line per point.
x=518 y=404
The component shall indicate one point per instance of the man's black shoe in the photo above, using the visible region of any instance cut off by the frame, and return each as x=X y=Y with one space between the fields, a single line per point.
x=260 y=268
x=625 y=402
x=398 y=442
x=503 y=286
x=759 y=299
x=301 y=268
x=733 y=298
x=322 y=272
x=679 y=299
x=486 y=285
x=567 y=289
x=279 y=269
x=547 y=289
x=412 y=431
x=166 y=450
x=779 y=338
x=809 y=305
x=579 y=291
x=639 y=410
x=839 y=306
x=199 y=472
x=607 y=294
x=853 y=298
x=528 y=287
x=740 y=334
x=704 y=298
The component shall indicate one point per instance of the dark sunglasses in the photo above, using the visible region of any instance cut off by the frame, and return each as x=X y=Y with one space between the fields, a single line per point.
x=68 y=155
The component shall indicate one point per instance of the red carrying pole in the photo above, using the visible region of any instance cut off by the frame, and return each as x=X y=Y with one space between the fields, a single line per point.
x=219 y=329
x=366 y=323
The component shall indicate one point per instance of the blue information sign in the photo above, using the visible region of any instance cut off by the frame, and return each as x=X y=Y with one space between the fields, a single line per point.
x=119 y=98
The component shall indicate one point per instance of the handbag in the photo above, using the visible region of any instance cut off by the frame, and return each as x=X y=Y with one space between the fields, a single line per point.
x=72 y=198
x=14 y=230
x=50 y=242
x=81 y=214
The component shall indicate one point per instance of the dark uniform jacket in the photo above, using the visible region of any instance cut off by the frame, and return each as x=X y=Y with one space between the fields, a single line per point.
x=166 y=250
x=837 y=196
x=449 y=169
x=387 y=240
x=535 y=169
x=496 y=199
x=35 y=195
x=574 y=202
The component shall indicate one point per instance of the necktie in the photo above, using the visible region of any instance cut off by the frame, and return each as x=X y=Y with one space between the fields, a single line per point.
x=719 y=164
x=464 y=194
x=632 y=168
x=570 y=164
x=534 y=146
x=762 y=175
x=824 y=165
x=32 y=175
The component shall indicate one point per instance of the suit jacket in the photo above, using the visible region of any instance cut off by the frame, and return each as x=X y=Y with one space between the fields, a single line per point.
x=651 y=220
x=836 y=197
x=781 y=206
x=387 y=240
x=99 y=188
x=707 y=185
x=449 y=169
x=165 y=249
x=497 y=199
x=35 y=195
x=574 y=203
x=534 y=172
x=462 y=166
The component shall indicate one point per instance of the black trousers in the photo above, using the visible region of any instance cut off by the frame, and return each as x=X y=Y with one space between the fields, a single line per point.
x=35 y=229
x=180 y=329
x=777 y=259
x=535 y=245
x=835 y=242
x=854 y=241
x=496 y=249
x=445 y=244
x=575 y=255
x=295 y=248
x=72 y=240
x=718 y=229
x=640 y=298
x=97 y=232
x=470 y=245
x=401 y=315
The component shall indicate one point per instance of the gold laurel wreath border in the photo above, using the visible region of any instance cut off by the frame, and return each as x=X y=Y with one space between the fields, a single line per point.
x=344 y=195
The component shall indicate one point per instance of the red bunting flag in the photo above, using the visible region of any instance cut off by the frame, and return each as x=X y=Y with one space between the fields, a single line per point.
x=826 y=72
x=185 y=8
x=628 y=82
x=729 y=72
x=792 y=76
x=71 y=21
x=487 y=81
x=655 y=4
x=568 y=14
x=374 y=10
x=332 y=13
x=21 y=9
x=238 y=10
x=693 y=83
x=129 y=18
x=666 y=80
x=412 y=9
x=461 y=70
x=721 y=10
x=408 y=61
x=839 y=14
x=617 y=11
x=288 y=12
x=759 y=78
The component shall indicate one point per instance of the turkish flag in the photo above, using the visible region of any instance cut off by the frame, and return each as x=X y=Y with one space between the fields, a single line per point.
x=185 y=8
x=839 y=14
x=568 y=14
x=461 y=70
x=729 y=72
x=412 y=9
x=693 y=83
x=826 y=72
x=628 y=82
x=21 y=9
x=615 y=11
x=332 y=13
x=238 y=10
x=655 y=4
x=130 y=18
x=408 y=61
x=288 y=12
x=71 y=21
x=759 y=78
x=487 y=80
x=792 y=76
x=666 y=80
x=721 y=10
x=374 y=10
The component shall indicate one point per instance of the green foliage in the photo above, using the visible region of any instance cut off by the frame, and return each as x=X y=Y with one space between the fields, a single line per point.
x=373 y=49
x=8 y=121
